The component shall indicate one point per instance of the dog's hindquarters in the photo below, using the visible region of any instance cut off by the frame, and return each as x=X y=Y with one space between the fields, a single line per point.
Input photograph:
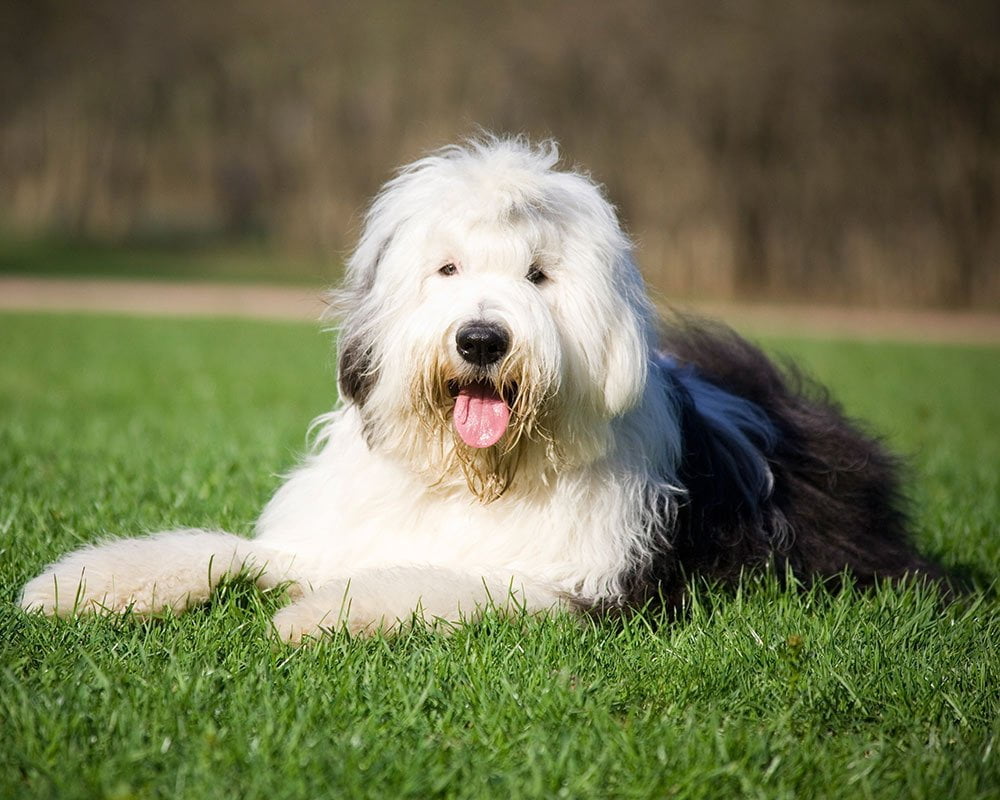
x=834 y=502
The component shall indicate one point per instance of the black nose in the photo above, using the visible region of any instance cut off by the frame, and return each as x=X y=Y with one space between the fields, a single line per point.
x=482 y=343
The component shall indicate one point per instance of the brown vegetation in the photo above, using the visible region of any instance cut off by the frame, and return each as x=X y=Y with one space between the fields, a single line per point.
x=823 y=150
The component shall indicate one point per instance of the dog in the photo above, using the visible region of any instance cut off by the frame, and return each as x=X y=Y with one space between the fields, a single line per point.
x=517 y=431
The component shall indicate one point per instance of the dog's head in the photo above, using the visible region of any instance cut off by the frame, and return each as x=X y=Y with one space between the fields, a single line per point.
x=494 y=322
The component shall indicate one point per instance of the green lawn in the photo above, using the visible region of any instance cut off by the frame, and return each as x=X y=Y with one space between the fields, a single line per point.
x=118 y=426
x=163 y=258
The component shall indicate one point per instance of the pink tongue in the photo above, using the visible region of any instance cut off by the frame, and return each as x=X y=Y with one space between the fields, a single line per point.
x=481 y=415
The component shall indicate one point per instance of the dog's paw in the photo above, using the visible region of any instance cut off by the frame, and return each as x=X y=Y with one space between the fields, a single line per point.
x=331 y=609
x=293 y=625
x=115 y=579
x=67 y=591
x=167 y=572
x=388 y=601
x=44 y=593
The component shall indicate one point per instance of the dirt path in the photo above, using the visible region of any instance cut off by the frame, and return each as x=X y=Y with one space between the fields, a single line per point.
x=305 y=304
x=169 y=298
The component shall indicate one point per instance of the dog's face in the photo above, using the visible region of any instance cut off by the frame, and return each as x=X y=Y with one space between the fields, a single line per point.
x=494 y=320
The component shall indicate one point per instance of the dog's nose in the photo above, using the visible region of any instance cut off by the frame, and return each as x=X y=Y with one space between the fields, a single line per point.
x=482 y=343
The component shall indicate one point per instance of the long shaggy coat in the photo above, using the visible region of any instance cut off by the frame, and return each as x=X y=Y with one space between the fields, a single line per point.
x=517 y=431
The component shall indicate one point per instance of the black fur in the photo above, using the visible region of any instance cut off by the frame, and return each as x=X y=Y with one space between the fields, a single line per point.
x=835 y=503
x=354 y=370
x=355 y=375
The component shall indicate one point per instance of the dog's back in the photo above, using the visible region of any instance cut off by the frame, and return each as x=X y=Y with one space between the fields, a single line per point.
x=829 y=498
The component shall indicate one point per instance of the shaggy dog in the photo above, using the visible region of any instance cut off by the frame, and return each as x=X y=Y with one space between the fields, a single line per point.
x=515 y=433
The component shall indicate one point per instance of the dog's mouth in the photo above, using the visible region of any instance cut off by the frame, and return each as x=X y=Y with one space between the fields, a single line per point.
x=482 y=412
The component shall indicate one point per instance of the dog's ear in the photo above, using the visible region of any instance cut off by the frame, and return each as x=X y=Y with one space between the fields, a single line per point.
x=364 y=263
x=355 y=369
x=626 y=365
x=355 y=373
x=626 y=346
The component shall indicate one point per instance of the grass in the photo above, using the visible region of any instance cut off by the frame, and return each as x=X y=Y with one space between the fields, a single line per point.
x=117 y=425
x=166 y=258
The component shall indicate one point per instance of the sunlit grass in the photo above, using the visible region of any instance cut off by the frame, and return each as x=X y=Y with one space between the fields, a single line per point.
x=120 y=426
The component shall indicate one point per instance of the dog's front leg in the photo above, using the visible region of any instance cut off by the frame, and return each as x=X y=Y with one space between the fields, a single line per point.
x=388 y=599
x=169 y=571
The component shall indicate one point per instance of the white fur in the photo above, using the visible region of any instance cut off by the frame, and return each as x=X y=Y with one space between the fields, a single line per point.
x=392 y=519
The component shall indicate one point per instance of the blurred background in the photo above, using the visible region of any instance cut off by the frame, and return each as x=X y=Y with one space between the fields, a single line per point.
x=769 y=150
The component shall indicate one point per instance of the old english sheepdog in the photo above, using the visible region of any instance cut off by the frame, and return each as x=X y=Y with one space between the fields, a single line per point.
x=517 y=432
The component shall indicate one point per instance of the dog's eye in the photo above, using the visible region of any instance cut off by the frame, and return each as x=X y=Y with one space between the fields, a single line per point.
x=448 y=269
x=535 y=275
